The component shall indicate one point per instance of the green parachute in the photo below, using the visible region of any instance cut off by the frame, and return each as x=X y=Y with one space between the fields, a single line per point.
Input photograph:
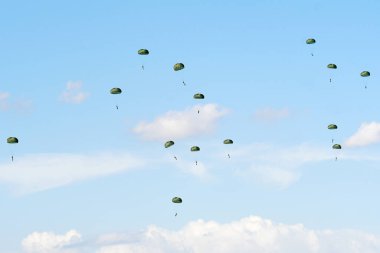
x=228 y=141
x=332 y=126
x=365 y=73
x=337 y=146
x=310 y=41
x=143 y=52
x=332 y=66
x=12 y=140
x=177 y=200
x=169 y=144
x=178 y=66
x=115 y=91
x=199 y=96
x=195 y=148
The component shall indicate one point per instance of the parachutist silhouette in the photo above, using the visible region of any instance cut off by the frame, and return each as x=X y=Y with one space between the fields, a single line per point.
x=183 y=82
x=336 y=158
x=117 y=107
x=198 y=111
x=229 y=156
x=12 y=158
x=175 y=157
x=142 y=66
x=196 y=162
x=330 y=80
x=175 y=214
x=332 y=140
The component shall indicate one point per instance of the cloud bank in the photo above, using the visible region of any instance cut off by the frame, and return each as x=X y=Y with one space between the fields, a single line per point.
x=250 y=234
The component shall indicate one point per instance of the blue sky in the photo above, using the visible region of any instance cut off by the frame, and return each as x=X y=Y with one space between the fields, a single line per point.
x=84 y=171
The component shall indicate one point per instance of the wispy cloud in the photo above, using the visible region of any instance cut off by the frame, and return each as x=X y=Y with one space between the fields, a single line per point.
x=181 y=124
x=269 y=115
x=19 y=105
x=275 y=164
x=368 y=133
x=48 y=242
x=37 y=172
x=73 y=93
x=250 y=234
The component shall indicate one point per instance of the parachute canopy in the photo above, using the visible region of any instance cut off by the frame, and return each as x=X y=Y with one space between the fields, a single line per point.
x=178 y=66
x=332 y=126
x=115 y=91
x=365 y=74
x=143 y=52
x=177 y=200
x=332 y=66
x=228 y=141
x=195 y=148
x=12 y=140
x=310 y=41
x=199 y=96
x=337 y=146
x=169 y=144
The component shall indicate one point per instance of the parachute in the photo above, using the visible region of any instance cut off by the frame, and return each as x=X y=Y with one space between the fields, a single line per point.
x=332 y=126
x=12 y=140
x=178 y=66
x=337 y=146
x=143 y=52
x=115 y=91
x=310 y=41
x=228 y=141
x=169 y=144
x=199 y=96
x=365 y=74
x=332 y=66
x=177 y=200
x=195 y=148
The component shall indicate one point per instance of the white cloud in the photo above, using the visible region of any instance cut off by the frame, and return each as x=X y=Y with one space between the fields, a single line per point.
x=250 y=234
x=48 y=242
x=368 y=133
x=39 y=172
x=73 y=93
x=269 y=114
x=176 y=125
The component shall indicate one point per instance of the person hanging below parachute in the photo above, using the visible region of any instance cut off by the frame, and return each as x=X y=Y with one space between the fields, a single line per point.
x=177 y=67
x=195 y=149
x=116 y=91
x=12 y=140
x=169 y=144
x=310 y=42
x=365 y=74
x=228 y=141
x=198 y=96
x=176 y=200
x=336 y=146
x=332 y=127
x=143 y=52
x=331 y=66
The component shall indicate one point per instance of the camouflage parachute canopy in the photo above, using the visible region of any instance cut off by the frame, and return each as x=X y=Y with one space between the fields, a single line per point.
x=143 y=52
x=169 y=144
x=177 y=200
x=195 y=148
x=178 y=66
x=337 y=146
x=228 y=141
x=332 y=66
x=310 y=41
x=12 y=140
x=199 y=96
x=332 y=126
x=115 y=91
x=365 y=74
